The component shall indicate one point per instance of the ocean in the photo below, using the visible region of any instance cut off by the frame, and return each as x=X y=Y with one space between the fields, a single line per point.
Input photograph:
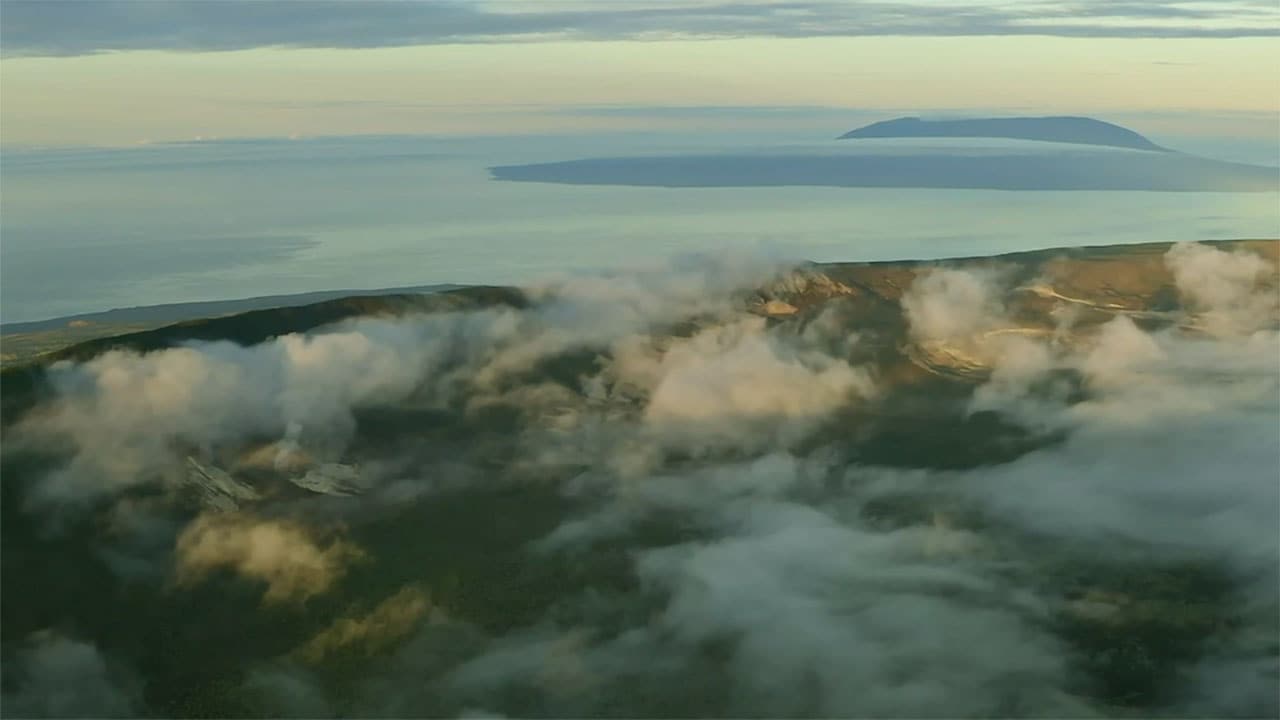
x=91 y=229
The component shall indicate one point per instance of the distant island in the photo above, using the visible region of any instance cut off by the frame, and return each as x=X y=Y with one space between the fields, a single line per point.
x=1065 y=129
x=1101 y=159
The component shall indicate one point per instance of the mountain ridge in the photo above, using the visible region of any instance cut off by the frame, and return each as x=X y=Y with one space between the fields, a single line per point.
x=922 y=456
x=1071 y=129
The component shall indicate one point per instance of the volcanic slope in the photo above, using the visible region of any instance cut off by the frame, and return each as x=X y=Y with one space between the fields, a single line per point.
x=722 y=488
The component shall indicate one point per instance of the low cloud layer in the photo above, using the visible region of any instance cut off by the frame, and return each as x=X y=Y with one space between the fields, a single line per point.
x=61 y=677
x=372 y=633
x=658 y=495
x=283 y=556
x=1226 y=289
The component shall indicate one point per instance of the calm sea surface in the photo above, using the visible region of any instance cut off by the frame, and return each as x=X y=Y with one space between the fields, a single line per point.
x=87 y=230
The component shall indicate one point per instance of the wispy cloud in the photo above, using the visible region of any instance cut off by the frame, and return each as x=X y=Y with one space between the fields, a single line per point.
x=78 y=27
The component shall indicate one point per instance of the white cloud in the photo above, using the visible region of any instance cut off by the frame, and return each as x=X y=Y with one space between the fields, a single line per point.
x=61 y=677
x=282 y=554
x=1229 y=290
x=746 y=571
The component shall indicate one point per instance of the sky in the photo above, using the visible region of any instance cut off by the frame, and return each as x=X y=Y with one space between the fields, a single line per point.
x=106 y=72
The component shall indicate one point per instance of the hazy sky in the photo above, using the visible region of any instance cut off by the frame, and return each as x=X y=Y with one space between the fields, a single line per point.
x=104 y=72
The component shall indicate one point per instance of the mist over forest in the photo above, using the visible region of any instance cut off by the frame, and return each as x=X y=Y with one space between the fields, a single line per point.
x=1030 y=485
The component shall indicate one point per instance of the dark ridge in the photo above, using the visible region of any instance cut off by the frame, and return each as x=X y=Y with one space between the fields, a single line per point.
x=1064 y=129
x=258 y=325
x=1138 y=268
x=20 y=384
x=177 y=312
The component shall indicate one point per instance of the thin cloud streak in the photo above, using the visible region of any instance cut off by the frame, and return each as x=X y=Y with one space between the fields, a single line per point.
x=81 y=27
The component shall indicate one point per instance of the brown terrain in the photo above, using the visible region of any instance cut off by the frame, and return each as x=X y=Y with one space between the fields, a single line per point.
x=1129 y=626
